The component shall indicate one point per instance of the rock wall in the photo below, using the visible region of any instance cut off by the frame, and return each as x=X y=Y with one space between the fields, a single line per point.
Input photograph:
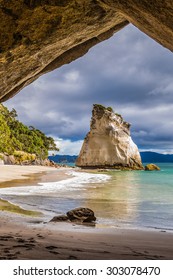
x=39 y=36
x=108 y=144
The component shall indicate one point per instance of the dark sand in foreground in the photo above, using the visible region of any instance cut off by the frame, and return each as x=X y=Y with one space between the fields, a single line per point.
x=21 y=237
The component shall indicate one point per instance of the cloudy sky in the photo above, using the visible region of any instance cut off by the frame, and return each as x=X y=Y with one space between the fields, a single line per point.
x=129 y=72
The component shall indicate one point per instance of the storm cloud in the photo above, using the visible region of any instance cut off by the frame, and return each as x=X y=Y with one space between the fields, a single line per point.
x=129 y=72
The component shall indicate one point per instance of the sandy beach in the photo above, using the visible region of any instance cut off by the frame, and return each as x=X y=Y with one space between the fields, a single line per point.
x=27 y=237
x=12 y=172
x=53 y=242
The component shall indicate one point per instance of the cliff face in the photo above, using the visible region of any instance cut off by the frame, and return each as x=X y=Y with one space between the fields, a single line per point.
x=39 y=36
x=108 y=144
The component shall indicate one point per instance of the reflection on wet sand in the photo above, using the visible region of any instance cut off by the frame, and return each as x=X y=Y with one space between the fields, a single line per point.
x=7 y=206
x=117 y=199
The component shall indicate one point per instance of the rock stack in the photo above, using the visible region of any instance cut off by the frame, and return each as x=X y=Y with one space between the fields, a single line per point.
x=108 y=144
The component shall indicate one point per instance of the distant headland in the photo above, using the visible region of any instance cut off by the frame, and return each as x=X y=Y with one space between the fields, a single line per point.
x=146 y=156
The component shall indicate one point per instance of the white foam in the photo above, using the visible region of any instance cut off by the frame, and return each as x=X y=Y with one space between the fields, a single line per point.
x=78 y=181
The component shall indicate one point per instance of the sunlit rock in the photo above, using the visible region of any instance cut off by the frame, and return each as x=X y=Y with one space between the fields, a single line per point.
x=152 y=167
x=108 y=144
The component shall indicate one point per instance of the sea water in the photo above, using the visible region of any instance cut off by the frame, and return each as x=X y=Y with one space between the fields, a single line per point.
x=120 y=199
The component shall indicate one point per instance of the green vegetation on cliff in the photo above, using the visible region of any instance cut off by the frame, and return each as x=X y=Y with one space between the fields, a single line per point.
x=16 y=137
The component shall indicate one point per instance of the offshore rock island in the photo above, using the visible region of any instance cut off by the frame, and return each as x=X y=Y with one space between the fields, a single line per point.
x=108 y=144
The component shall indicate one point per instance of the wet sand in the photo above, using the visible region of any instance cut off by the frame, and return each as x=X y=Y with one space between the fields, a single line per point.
x=21 y=241
x=23 y=237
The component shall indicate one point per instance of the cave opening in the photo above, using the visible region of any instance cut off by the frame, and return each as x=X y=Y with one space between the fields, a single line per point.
x=129 y=72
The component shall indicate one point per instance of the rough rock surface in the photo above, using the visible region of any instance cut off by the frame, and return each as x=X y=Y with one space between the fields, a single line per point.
x=25 y=158
x=60 y=218
x=81 y=214
x=152 y=167
x=39 y=36
x=108 y=144
x=7 y=159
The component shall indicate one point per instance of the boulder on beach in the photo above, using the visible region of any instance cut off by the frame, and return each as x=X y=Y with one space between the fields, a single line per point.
x=152 y=167
x=81 y=214
x=60 y=218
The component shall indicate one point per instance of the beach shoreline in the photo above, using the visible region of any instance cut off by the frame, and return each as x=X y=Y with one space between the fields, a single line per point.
x=49 y=242
x=23 y=237
x=16 y=172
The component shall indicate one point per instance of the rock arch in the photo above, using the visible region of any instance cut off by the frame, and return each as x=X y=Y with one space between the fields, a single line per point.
x=39 y=36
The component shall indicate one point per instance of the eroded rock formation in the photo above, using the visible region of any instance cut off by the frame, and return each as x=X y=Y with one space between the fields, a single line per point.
x=81 y=214
x=152 y=167
x=108 y=144
x=39 y=36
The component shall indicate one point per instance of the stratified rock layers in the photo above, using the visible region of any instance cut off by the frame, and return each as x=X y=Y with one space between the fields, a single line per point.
x=108 y=144
x=38 y=36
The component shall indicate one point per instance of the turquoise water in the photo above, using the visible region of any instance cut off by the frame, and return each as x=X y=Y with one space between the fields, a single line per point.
x=124 y=199
x=140 y=199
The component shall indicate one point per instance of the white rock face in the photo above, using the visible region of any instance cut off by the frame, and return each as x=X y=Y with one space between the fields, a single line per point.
x=108 y=144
